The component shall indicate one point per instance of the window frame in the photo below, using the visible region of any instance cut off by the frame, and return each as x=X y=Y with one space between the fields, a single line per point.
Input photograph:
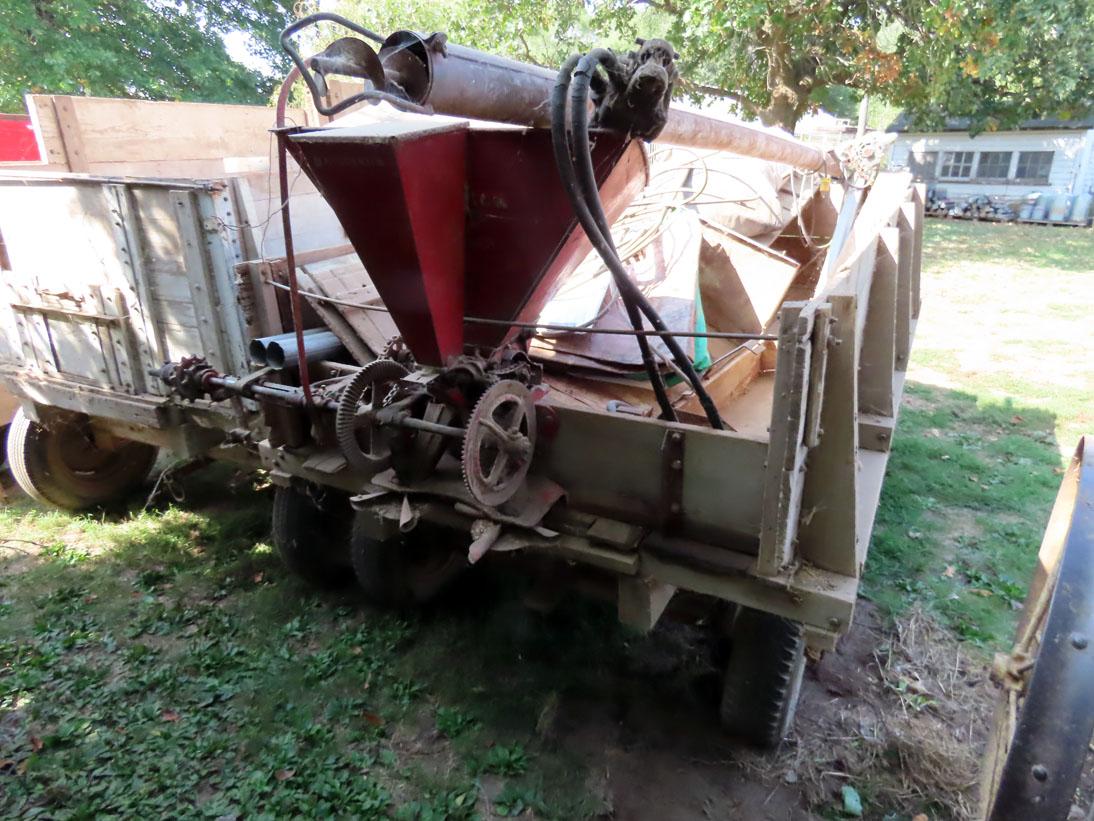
x=948 y=161
x=980 y=175
x=930 y=166
x=1037 y=179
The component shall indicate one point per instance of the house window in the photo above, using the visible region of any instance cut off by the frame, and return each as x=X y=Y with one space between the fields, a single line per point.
x=994 y=165
x=956 y=165
x=1034 y=165
x=923 y=164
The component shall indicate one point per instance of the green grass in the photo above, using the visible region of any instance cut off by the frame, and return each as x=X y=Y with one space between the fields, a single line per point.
x=163 y=663
x=1000 y=388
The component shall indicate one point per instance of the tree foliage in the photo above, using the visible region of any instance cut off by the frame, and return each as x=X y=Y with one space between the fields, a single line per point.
x=993 y=61
x=152 y=49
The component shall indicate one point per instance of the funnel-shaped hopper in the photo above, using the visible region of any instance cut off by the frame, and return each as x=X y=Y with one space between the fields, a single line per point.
x=452 y=221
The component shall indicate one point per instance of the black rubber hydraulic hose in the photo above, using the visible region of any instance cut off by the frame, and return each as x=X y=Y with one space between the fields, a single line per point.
x=564 y=161
x=590 y=195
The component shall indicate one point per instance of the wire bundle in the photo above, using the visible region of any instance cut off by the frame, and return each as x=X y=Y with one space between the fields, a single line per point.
x=573 y=155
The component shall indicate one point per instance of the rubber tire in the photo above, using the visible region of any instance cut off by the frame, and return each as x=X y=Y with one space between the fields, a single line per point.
x=386 y=576
x=29 y=454
x=312 y=537
x=763 y=677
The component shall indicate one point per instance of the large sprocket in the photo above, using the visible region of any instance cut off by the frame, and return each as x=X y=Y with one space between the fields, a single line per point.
x=365 y=392
x=499 y=443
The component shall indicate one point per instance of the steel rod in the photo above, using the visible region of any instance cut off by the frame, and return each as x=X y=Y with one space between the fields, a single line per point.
x=479 y=320
x=474 y=320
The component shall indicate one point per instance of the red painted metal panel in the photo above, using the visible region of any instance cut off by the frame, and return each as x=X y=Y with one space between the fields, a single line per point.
x=399 y=194
x=522 y=235
x=452 y=222
x=17 y=141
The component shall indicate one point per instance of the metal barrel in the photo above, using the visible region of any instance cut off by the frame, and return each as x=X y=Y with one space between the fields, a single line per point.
x=283 y=353
x=465 y=82
x=257 y=348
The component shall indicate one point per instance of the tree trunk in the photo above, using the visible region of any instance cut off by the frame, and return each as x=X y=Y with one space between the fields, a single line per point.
x=790 y=81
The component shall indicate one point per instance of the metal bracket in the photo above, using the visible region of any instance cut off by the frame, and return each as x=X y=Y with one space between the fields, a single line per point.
x=672 y=480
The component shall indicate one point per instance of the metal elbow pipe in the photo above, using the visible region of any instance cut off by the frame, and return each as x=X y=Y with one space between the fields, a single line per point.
x=427 y=74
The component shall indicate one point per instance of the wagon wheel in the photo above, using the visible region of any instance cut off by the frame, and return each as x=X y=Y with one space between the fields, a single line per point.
x=366 y=392
x=311 y=531
x=407 y=568
x=763 y=677
x=1044 y=715
x=500 y=440
x=65 y=465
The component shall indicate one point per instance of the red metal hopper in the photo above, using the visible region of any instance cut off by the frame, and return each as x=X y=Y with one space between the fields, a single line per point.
x=452 y=221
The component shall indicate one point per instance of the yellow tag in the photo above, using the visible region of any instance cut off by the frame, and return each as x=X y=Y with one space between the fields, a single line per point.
x=825 y=184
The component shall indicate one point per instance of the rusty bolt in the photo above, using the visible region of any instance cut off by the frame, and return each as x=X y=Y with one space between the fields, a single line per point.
x=677 y=464
x=834 y=622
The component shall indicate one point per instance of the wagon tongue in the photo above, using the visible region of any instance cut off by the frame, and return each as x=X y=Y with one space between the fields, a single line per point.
x=454 y=222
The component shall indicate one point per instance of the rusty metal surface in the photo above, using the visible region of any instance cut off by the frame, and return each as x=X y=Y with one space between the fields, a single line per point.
x=672 y=481
x=693 y=130
x=427 y=74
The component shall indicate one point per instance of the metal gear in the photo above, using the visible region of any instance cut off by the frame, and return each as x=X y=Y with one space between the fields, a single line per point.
x=499 y=443
x=370 y=386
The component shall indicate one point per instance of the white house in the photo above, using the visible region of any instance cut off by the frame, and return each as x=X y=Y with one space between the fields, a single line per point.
x=1040 y=156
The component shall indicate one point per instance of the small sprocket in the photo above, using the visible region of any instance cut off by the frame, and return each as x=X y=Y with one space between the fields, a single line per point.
x=499 y=443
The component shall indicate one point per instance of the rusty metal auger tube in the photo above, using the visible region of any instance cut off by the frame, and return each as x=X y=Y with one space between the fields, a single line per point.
x=428 y=74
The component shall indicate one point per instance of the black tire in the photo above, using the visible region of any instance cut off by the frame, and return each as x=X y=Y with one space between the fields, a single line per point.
x=60 y=465
x=405 y=570
x=311 y=534
x=763 y=677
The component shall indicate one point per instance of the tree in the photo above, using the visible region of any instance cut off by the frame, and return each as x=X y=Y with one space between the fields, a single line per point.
x=152 y=49
x=994 y=62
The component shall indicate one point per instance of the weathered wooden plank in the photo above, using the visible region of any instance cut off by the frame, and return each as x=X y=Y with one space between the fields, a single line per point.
x=818 y=367
x=875 y=431
x=810 y=596
x=826 y=535
x=202 y=290
x=878 y=357
x=720 y=505
x=223 y=253
x=43 y=119
x=71 y=134
x=135 y=292
x=783 y=473
x=125 y=130
x=728 y=380
x=919 y=198
x=905 y=286
x=886 y=195
x=642 y=600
